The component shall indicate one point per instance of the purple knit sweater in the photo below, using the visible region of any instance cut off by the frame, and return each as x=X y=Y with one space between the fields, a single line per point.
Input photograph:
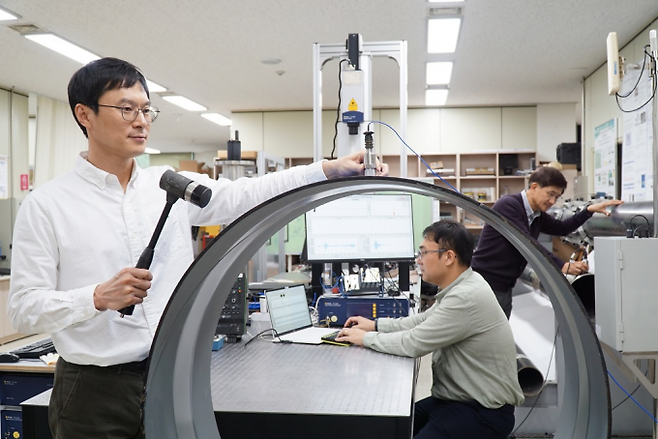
x=497 y=260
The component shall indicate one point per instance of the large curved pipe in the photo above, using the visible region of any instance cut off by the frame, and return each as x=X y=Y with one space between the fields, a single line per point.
x=178 y=396
x=636 y=215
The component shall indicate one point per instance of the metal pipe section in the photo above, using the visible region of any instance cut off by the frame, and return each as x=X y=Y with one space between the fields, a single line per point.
x=178 y=398
x=531 y=379
x=635 y=216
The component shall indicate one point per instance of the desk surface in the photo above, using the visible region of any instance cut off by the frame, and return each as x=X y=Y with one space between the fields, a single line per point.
x=311 y=379
x=306 y=379
x=25 y=365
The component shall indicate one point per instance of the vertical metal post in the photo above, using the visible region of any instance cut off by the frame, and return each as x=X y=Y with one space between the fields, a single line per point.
x=402 y=63
x=654 y=122
x=317 y=104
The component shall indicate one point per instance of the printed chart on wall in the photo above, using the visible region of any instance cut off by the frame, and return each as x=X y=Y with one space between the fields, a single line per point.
x=636 y=168
x=605 y=158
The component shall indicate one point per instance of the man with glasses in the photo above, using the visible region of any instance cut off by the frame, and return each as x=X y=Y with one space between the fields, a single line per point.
x=499 y=262
x=78 y=238
x=475 y=384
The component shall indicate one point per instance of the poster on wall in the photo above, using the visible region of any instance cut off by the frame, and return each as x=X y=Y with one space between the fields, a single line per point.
x=605 y=159
x=4 y=180
x=636 y=167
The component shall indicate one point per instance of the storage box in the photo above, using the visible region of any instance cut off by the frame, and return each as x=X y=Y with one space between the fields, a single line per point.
x=480 y=171
x=190 y=165
x=222 y=154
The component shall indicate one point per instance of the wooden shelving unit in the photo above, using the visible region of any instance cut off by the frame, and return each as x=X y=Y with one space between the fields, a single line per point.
x=485 y=176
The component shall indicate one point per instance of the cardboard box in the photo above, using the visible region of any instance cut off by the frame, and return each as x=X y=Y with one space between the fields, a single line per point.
x=222 y=154
x=190 y=165
x=480 y=171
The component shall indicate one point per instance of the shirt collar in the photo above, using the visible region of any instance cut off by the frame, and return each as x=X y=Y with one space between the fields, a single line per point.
x=528 y=210
x=99 y=177
x=442 y=292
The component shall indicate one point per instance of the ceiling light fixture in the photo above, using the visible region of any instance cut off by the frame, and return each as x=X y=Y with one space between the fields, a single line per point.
x=442 y=34
x=436 y=97
x=154 y=88
x=218 y=119
x=270 y=61
x=439 y=73
x=59 y=45
x=152 y=151
x=5 y=15
x=184 y=102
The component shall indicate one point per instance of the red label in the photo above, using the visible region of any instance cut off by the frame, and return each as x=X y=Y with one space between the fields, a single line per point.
x=24 y=182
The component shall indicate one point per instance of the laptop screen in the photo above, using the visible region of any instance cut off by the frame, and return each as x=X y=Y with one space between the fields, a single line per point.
x=288 y=309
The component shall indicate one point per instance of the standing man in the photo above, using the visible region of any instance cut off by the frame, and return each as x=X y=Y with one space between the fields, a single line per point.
x=475 y=385
x=78 y=238
x=499 y=262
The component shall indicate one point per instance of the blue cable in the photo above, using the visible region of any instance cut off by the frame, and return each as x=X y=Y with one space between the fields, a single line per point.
x=417 y=155
x=631 y=397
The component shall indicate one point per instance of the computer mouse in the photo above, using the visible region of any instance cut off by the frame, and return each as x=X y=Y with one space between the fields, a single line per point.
x=8 y=357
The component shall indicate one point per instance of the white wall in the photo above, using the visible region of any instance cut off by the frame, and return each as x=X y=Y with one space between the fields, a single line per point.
x=556 y=123
x=599 y=107
x=429 y=130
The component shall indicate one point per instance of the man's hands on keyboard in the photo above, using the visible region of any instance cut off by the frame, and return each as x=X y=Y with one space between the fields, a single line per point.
x=331 y=338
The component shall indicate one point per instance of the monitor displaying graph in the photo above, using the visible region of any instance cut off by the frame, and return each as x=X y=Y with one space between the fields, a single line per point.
x=373 y=227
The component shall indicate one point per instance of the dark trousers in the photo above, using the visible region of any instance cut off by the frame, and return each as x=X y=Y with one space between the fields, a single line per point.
x=505 y=301
x=97 y=402
x=440 y=419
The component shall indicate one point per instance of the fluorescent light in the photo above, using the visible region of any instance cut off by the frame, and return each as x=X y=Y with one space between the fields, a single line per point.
x=155 y=88
x=442 y=35
x=436 y=97
x=151 y=151
x=184 y=102
x=6 y=15
x=53 y=42
x=439 y=73
x=445 y=1
x=218 y=119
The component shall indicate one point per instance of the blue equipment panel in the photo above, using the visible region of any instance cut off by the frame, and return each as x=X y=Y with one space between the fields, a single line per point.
x=336 y=310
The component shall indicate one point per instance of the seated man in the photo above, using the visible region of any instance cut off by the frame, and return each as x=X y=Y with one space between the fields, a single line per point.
x=475 y=385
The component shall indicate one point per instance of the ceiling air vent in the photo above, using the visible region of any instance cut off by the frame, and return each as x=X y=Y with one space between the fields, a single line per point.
x=25 y=29
x=443 y=12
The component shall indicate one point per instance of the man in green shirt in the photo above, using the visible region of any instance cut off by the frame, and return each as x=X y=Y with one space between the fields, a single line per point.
x=475 y=384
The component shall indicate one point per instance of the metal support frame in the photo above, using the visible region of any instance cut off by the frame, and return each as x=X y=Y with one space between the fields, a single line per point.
x=178 y=401
x=322 y=53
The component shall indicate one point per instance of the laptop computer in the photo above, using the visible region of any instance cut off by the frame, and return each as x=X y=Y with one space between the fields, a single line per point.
x=291 y=318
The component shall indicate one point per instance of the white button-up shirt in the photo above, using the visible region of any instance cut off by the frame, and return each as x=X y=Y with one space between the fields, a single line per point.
x=81 y=229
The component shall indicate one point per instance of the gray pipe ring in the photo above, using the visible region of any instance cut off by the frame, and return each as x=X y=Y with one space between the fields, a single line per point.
x=178 y=402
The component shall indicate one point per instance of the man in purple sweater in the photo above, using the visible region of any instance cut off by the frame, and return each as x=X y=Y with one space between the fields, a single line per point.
x=499 y=262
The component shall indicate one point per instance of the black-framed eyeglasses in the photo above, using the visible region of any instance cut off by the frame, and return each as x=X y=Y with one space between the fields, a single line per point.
x=130 y=112
x=420 y=253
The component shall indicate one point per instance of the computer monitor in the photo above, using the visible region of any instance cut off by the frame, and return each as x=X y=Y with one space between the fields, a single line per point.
x=365 y=227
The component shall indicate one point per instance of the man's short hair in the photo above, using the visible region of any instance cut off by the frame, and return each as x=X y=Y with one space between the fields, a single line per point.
x=548 y=176
x=89 y=83
x=452 y=235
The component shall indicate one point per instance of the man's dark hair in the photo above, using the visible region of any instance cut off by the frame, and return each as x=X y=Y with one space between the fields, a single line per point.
x=452 y=235
x=89 y=83
x=547 y=176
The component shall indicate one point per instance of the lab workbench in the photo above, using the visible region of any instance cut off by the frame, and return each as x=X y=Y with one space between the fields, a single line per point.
x=270 y=390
